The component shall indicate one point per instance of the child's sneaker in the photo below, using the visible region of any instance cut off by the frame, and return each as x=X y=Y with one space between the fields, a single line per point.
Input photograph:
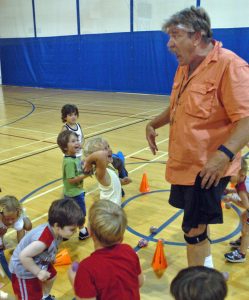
x=83 y=234
x=49 y=297
x=235 y=256
x=236 y=244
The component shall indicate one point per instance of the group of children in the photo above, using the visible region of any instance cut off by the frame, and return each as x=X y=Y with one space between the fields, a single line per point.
x=113 y=270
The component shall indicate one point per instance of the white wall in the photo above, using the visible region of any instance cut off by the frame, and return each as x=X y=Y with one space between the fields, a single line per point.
x=98 y=16
x=150 y=15
x=16 y=18
x=59 y=17
x=55 y=17
x=227 y=13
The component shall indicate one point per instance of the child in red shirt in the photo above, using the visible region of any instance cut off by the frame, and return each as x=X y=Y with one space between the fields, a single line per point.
x=113 y=270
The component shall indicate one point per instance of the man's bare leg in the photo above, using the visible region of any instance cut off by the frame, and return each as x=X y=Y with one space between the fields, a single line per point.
x=196 y=253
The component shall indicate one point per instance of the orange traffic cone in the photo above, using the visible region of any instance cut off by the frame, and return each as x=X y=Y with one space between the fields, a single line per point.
x=159 y=262
x=62 y=258
x=144 y=186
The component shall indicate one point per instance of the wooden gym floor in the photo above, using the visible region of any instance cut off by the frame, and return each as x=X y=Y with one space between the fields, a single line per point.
x=31 y=170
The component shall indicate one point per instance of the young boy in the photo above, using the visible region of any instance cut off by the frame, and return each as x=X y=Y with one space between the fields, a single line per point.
x=72 y=172
x=242 y=200
x=113 y=270
x=98 y=153
x=69 y=116
x=31 y=263
x=197 y=283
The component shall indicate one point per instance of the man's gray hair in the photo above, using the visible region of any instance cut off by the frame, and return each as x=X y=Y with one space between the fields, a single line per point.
x=193 y=19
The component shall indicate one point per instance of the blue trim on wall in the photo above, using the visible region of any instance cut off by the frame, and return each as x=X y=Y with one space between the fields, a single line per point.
x=198 y=3
x=78 y=15
x=34 y=18
x=131 y=15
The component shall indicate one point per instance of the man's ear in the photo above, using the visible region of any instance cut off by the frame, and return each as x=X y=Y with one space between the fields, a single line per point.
x=197 y=37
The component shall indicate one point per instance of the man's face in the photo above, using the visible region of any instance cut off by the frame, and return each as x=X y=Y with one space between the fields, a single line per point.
x=181 y=43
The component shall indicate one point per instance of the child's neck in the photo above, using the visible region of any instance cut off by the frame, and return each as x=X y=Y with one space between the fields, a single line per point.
x=72 y=125
x=70 y=154
x=97 y=244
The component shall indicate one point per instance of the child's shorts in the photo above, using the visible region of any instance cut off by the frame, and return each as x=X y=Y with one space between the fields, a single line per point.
x=30 y=289
x=201 y=206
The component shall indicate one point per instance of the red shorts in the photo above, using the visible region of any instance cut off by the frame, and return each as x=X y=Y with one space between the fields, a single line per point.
x=29 y=289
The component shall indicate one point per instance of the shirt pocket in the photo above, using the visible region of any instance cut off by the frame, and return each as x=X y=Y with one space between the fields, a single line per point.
x=200 y=100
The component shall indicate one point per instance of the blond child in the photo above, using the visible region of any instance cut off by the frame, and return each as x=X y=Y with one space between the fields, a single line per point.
x=113 y=270
x=31 y=263
x=69 y=116
x=240 y=197
x=12 y=216
x=99 y=154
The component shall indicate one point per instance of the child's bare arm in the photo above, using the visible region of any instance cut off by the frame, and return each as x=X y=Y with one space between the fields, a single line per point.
x=64 y=128
x=71 y=275
x=100 y=159
x=244 y=199
x=140 y=279
x=26 y=258
x=77 y=178
x=20 y=234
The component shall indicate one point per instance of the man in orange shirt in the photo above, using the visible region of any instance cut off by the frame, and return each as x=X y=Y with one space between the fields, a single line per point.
x=209 y=125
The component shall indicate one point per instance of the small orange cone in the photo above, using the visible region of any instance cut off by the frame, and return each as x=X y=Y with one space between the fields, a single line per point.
x=144 y=186
x=62 y=258
x=159 y=262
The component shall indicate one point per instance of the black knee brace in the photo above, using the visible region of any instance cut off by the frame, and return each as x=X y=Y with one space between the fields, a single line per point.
x=196 y=239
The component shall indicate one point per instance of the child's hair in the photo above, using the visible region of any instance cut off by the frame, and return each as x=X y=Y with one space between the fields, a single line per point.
x=107 y=222
x=243 y=165
x=10 y=204
x=195 y=283
x=68 y=109
x=65 y=212
x=93 y=145
x=63 y=139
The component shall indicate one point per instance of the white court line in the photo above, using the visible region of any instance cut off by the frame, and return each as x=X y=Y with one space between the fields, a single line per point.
x=42 y=194
x=147 y=148
x=90 y=192
x=30 y=152
x=48 y=147
x=44 y=215
x=87 y=127
x=140 y=167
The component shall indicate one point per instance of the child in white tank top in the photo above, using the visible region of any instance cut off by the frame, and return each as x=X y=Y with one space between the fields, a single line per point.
x=98 y=152
x=69 y=116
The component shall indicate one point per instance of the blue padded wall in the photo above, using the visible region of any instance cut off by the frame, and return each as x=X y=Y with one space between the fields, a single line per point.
x=136 y=62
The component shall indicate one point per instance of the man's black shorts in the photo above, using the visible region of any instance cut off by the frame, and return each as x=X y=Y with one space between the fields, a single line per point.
x=201 y=206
